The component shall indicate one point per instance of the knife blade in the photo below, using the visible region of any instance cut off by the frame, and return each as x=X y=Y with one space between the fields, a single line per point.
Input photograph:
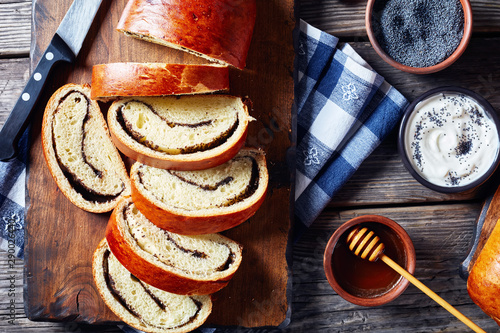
x=64 y=47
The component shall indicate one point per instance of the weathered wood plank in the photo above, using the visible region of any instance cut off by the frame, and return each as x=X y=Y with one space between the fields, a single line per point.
x=15 y=28
x=14 y=74
x=347 y=18
x=441 y=240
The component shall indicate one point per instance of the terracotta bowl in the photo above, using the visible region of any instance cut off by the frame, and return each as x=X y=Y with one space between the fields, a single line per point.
x=421 y=70
x=360 y=281
x=406 y=158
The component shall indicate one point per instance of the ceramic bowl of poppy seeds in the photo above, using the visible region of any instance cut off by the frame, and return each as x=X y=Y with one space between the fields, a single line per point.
x=419 y=36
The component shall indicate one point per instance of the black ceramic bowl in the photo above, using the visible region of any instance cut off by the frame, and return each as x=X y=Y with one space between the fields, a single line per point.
x=407 y=160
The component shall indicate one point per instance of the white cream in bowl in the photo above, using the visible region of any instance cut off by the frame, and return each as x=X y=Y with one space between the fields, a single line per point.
x=450 y=140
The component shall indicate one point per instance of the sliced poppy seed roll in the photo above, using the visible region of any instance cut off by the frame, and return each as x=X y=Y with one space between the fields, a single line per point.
x=79 y=152
x=187 y=265
x=179 y=132
x=202 y=201
x=141 y=305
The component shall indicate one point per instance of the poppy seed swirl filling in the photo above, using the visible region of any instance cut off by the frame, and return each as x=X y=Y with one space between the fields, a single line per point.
x=204 y=255
x=162 y=127
x=76 y=140
x=222 y=186
x=152 y=306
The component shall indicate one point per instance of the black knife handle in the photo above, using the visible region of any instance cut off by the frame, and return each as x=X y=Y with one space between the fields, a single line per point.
x=19 y=117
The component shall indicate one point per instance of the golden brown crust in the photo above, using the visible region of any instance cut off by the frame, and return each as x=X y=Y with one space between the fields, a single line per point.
x=151 y=273
x=192 y=161
x=51 y=160
x=220 y=30
x=199 y=223
x=483 y=283
x=156 y=79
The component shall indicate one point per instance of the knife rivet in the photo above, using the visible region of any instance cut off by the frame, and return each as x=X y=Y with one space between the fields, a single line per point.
x=37 y=76
x=49 y=56
x=25 y=97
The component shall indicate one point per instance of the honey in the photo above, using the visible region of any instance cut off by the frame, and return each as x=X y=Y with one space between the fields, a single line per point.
x=363 y=278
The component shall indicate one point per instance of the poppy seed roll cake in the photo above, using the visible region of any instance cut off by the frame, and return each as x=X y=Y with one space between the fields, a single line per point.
x=79 y=152
x=180 y=132
x=202 y=201
x=188 y=265
x=217 y=30
x=141 y=305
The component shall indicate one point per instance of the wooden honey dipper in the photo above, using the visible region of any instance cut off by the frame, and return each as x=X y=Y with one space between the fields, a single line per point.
x=365 y=244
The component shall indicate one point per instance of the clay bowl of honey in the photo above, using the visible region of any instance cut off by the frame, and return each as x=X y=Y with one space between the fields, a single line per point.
x=363 y=282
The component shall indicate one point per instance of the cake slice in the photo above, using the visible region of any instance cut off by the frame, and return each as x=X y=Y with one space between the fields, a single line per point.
x=113 y=80
x=218 y=30
x=179 y=132
x=186 y=265
x=202 y=201
x=141 y=305
x=79 y=152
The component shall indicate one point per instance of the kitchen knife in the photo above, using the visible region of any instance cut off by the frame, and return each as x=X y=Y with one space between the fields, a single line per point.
x=64 y=46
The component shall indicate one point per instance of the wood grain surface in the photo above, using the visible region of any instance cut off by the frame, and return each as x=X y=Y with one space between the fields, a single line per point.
x=60 y=238
x=439 y=225
x=15 y=34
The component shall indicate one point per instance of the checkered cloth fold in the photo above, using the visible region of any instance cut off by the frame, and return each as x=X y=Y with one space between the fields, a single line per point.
x=344 y=110
x=12 y=201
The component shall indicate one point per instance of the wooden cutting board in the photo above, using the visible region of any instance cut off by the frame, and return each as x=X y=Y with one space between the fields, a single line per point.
x=60 y=238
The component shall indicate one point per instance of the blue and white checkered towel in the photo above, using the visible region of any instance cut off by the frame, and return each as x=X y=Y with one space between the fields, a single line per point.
x=12 y=201
x=344 y=110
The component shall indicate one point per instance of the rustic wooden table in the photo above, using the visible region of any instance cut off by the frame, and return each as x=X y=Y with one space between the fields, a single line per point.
x=440 y=225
